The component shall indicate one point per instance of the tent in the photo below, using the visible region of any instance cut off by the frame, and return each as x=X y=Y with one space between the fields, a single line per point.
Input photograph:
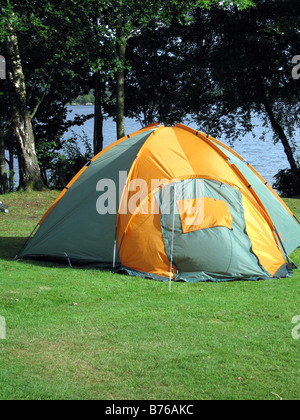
x=170 y=203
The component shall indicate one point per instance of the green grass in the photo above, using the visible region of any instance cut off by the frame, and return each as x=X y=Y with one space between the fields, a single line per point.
x=88 y=334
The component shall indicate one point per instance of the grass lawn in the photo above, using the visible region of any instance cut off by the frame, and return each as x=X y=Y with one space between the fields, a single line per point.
x=88 y=334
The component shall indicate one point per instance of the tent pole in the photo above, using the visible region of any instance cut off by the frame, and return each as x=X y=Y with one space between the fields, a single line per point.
x=172 y=245
x=114 y=257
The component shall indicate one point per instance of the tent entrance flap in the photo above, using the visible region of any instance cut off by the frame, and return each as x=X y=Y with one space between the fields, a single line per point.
x=210 y=238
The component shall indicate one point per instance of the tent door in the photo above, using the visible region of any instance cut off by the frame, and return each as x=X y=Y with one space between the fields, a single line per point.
x=209 y=239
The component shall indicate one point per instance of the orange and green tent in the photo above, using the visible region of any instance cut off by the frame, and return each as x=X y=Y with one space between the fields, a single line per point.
x=170 y=202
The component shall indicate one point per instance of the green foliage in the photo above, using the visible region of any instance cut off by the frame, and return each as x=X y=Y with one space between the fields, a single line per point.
x=285 y=185
x=84 y=99
x=154 y=84
x=54 y=65
x=204 y=58
x=50 y=127
x=117 y=21
x=68 y=162
x=241 y=67
x=248 y=49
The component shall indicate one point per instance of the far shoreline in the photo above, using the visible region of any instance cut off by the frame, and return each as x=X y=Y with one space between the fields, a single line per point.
x=88 y=104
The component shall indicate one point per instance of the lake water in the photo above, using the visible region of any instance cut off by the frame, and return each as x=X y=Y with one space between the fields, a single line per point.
x=268 y=159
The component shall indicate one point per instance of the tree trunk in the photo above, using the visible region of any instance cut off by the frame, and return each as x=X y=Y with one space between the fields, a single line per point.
x=98 y=125
x=3 y=171
x=284 y=140
x=121 y=52
x=30 y=175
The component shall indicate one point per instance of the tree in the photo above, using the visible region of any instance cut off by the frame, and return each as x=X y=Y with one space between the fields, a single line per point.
x=45 y=71
x=122 y=20
x=250 y=64
x=30 y=176
x=153 y=82
x=159 y=82
x=52 y=49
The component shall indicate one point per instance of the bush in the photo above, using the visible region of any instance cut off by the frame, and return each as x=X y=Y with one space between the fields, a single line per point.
x=285 y=183
x=68 y=162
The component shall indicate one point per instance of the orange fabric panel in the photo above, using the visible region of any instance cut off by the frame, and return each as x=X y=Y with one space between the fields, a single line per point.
x=263 y=243
x=143 y=248
x=203 y=213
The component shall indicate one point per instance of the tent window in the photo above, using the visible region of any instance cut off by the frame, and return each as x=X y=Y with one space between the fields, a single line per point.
x=203 y=213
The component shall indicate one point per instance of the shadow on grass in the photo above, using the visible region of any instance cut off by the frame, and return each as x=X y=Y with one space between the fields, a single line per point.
x=10 y=247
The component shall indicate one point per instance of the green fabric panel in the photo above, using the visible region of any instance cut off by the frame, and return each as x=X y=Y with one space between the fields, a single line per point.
x=210 y=254
x=202 y=277
x=74 y=227
x=216 y=278
x=281 y=218
x=136 y=273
